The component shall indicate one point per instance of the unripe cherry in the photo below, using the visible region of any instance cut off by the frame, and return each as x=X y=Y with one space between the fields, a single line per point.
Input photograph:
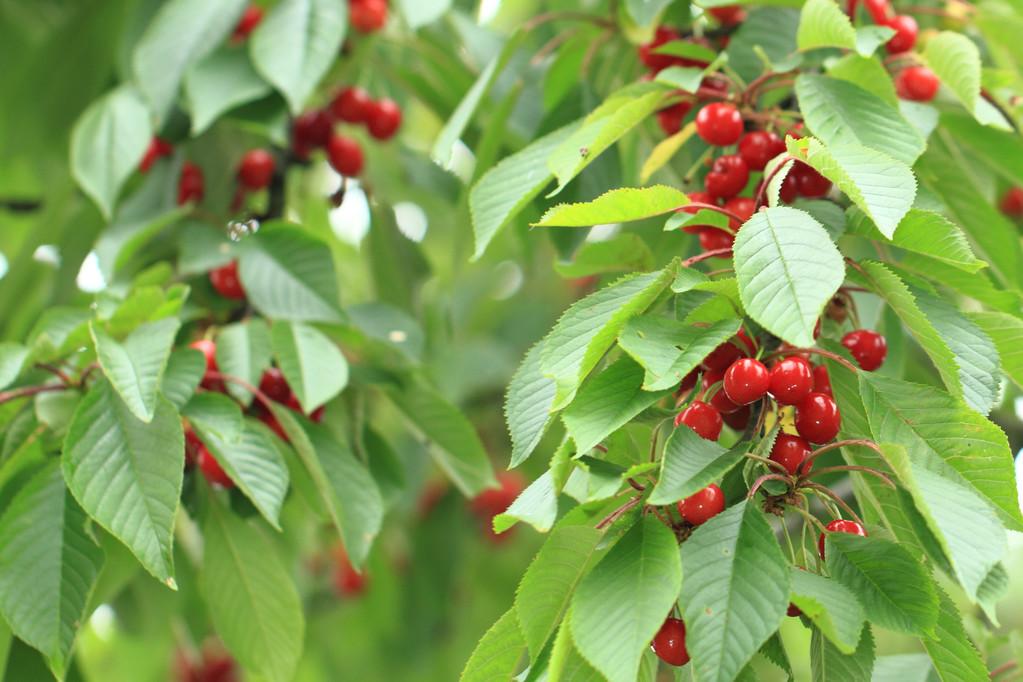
x=702 y=506
x=817 y=418
x=868 y=348
x=670 y=642
x=701 y=418
x=746 y=381
x=719 y=124
x=840 y=526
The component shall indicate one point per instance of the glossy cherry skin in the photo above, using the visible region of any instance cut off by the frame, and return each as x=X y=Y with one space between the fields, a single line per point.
x=821 y=380
x=225 y=280
x=157 y=149
x=312 y=129
x=878 y=10
x=789 y=188
x=256 y=169
x=728 y=15
x=209 y=350
x=211 y=469
x=250 y=19
x=722 y=357
x=652 y=60
x=817 y=418
x=670 y=642
x=367 y=16
x=351 y=105
x=702 y=506
x=701 y=418
x=274 y=386
x=791 y=380
x=345 y=155
x=383 y=118
x=727 y=177
x=840 y=526
x=719 y=400
x=714 y=239
x=742 y=207
x=670 y=118
x=738 y=420
x=790 y=451
x=758 y=147
x=917 y=83
x=1011 y=203
x=746 y=381
x=192 y=445
x=719 y=124
x=905 y=33
x=810 y=183
x=868 y=347
x=191 y=186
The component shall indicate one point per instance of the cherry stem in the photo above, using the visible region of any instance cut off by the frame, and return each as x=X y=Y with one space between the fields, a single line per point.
x=87 y=372
x=808 y=462
x=666 y=521
x=260 y=396
x=1004 y=668
x=849 y=467
x=25 y=391
x=547 y=17
x=777 y=466
x=811 y=518
x=56 y=371
x=636 y=485
x=816 y=351
x=713 y=253
x=719 y=209
x=762 y=190
x=824 y=490
x=764 y=479
x=618 y=513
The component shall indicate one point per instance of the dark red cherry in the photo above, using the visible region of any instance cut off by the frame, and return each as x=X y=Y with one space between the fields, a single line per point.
x=212 y=470
x=191 y=186
x=728 y=15
x=367 y=16
x=225 y=280
x=793 y=611
x=758 y=147
x=1011 y=203
x=715 y=239
x=810 y=183
x=746 y=381
x=719 y=124
x=652 y=60
x=274 y=386
x=312 y=129
x=670 y=118
x=719 y=400
x=157 y=149
x=742 y=207
x=817 y=418
x=738 y=420
x=670 y=642
x=344 y=155
x=727 y=177
x=701 y=418
x=722 y=357
x=821 y=380
x=868 y=347
x=790 y=451
x=702 y=506
x=256 y=169
x=250 y=19
x=791 y=380
x=383 y=118
x=840 y=526
x=351 y=105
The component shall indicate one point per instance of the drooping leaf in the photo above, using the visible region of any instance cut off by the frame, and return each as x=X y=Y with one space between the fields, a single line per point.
x=215 y=415
x=135 y=368
x=834 y=610
x=185 y=369
x=625 y=252
x=867 y=73
x=566 y=664
x=313 y=364
x=616 y=206
x=955 y=657
x=925 y=232
x=219 y=82
x=497 y=654
x=955 y=60
x=668 y=350
x=689 y=464
x=527 y=406
x=827 y=662
x=12 y=361
x=1006 y=331
x=537 y=505
x=823 y=24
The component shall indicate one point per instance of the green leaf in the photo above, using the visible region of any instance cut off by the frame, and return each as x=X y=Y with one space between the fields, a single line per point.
x=823 y=24
x=126 y=474
x=867 y=73
x=221 y=81
x=537 y=505
x=508 y=187
x=55 y=410
x=1006 y=331
x=925 y=232
x=788 y=269
x=496 y=656
x=625 y=252
x=48 y=566
x=869 y=38
x=839 y=112
x=831 y=607
x=12 y=362
x=549 y=582
x=181 y=33
x=107 y=143
x=251 y=595
x=419 y=13
x=527 y=406
x=690 y=464
x=954 y=656
x=608 y=402
x=879 y=185
x=296 y=44
x=767 y=35
x=616 y=206
x=215 y=415
x=1001 y=151
x=135 y=367
x=590 y=326
x=955 y=60
x=621 y=603
x=665 y=150
x=894 y=588
x=313 y=364
x=668 y=350
x=244 y=351
x=185 y=369
x=828 y=663
x=567 y=664
x=735 y=592
x=289 y=275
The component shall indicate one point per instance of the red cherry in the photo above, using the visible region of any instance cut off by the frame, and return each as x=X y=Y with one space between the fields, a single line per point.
x=905 y=33
x=670 y=118
x=750 y=344
x=719 y=124
x=367 y=16
x=789 y=187
x=652 y=60
x=1011 y=203
x=251 y=17
x=868 y=347
x=347 y=581
x=737 y=420
x=225 y=280
x=878 y=10
x=714 y=239
x=687 y=383
x=192 y=445
x=256 y=169
x=817 y=418
x=917 y=83
x=191 y=186
x=790 y=451
x=797 y=131
x=157 y=149
x=727 y=177
x=793 y=611
x=274 y=386
x=840 y=526
x=345 y=155
x=351 y=105
x=810 y=183
x=702 y=506
x=720 y=400
x=791 y=380
x=670 y=642
x=209 y=350
x=742 y=207
x=312 y=129
x=211 y=469
x=701 y=418
x=496 y=500
x=746 y=381
x=722 y=357
x=821 y=380
x=728 y=15
x=383 y=118
x=758 y=147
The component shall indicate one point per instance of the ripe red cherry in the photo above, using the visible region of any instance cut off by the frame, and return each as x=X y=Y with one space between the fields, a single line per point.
x=383 y=118
x=810 y=183
x=367 y=16
x=351 y=105
x=191 y=186
x=790 y=451
x=274 y=386
x=728 y=15
x=817 y=418
x=701 y=418
x=868 y=347
x=719 y=124
x=791 y=380
x=746 y=381
x=1011 y=203
x=209 y=350
x=652 y=60
x=250 y=19
x=714 y=239
x=742 y=207
x=789 y=187
x=793 y=611
x=670 y=118
x=192 y=445
x=727 y=177
x=347 y=581
x=345 y=155
x=737 y=420
x=840 y=526
x=670 y=642
x=211 y=469
x=225 y=280
x=917 y=83
x=720 y=400
x=879 y=10
x=496 y=500
x=722 y=357
x=688 y=382
x=157 y=149
x=758 y=147
x=312 y=129
x=905 y=33
x=702 y=506
x=256 y=169
x=821 y=380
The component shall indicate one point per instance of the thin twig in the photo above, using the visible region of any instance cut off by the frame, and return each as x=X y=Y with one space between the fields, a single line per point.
x=816 y=351
x=849 y=467
x=56 y=371
x=713 y=253
x=764 y=479
x=824 y=490
x=26 y=391
x=852 y=442
x=618 y=513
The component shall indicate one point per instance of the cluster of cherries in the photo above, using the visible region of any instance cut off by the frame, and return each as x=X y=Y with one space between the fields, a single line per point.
x=916 y=83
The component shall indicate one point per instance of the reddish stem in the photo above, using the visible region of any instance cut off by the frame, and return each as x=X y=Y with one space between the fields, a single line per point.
x=25 y=391
x=762 y=190
x=805 y=465
x=848 y=467
x=260 y=396
x=618 y=513
x=764 y=479
x=816 y=351
x=719 y=209
x=713 y=253
x=828 y=492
